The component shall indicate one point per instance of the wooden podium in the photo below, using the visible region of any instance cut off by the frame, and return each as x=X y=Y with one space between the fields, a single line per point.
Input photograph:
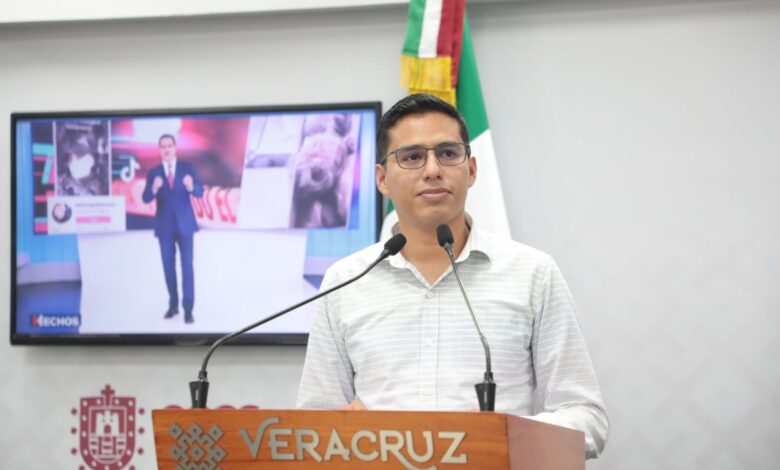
x=283 y=439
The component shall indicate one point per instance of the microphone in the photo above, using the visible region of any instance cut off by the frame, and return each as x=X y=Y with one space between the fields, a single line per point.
x=486 y=391
x=199 y=388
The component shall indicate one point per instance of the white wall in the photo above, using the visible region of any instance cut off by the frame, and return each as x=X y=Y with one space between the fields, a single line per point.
x=637 y=144
x=75 y=10
x=31 y=11
x=642 y=146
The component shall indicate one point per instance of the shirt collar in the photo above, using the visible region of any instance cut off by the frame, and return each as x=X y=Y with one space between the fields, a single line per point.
x=476 y=242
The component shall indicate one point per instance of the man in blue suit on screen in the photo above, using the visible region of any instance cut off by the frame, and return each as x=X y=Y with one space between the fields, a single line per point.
x=171 y=183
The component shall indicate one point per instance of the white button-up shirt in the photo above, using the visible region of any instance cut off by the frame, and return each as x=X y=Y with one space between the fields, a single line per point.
x=397 y=342
x=170 y=168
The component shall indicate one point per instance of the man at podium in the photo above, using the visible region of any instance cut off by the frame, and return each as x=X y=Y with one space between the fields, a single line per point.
x=402 y=338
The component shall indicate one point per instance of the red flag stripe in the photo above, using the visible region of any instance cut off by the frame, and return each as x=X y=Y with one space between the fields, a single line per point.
x=451 y=34
x=446 y=28
x=457 y=39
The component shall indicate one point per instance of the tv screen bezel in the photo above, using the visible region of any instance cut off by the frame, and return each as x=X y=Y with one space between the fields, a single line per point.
x=161 y=339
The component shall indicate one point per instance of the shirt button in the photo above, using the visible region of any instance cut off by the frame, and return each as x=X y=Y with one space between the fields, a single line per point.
x=429 y=342
x=428 y=295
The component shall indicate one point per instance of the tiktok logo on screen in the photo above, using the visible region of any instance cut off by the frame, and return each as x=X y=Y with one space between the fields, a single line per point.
x=107 y=430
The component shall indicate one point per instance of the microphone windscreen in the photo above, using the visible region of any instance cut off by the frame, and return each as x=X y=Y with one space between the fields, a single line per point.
x=395 y=244
x=444 y=234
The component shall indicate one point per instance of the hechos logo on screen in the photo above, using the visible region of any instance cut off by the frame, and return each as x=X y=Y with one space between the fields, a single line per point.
x=107 y=430
x=41 y=320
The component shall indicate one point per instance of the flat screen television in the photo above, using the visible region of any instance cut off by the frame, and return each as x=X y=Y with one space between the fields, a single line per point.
x=269 y=197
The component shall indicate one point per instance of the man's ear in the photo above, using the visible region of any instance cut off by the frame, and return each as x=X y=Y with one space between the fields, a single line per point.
x=472 y=170
x=381 y=183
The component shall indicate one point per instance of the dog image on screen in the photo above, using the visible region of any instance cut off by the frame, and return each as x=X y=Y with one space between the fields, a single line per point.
x=321 y=183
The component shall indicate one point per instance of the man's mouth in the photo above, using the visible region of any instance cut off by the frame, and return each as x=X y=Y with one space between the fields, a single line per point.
x=434 y=193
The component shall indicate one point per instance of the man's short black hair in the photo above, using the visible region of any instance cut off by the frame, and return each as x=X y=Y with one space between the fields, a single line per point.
x=420 y=103
x=166 y=136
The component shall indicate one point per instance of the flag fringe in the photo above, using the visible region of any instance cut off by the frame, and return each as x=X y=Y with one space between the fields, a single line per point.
x=448 y=96
x=427 y=73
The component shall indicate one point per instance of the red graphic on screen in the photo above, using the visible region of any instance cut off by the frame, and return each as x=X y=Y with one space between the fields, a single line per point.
x=213 y=146
x=44 y=172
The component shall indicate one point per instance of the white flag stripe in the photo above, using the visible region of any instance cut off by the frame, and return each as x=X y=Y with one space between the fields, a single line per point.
x=485 y=201
x=429 y=35
x=387 y=226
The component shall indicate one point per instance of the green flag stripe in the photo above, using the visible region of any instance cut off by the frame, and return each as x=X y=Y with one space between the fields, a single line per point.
x=414 y=27
x=469 y=90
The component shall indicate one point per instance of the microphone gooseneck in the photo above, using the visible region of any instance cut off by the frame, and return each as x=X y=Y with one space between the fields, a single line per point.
x=486 y=391
x=199 y=388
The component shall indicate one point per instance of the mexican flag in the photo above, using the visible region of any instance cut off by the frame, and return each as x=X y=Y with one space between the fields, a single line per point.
x=438 y=58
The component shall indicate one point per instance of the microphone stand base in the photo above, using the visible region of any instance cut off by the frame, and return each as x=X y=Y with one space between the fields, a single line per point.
x=486 y=393
x=199 y=391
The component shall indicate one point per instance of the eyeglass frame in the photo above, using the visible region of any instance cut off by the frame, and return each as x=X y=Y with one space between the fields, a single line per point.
x=466 y=148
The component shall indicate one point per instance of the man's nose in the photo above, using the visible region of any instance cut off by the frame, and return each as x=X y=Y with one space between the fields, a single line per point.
x=432 y=167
